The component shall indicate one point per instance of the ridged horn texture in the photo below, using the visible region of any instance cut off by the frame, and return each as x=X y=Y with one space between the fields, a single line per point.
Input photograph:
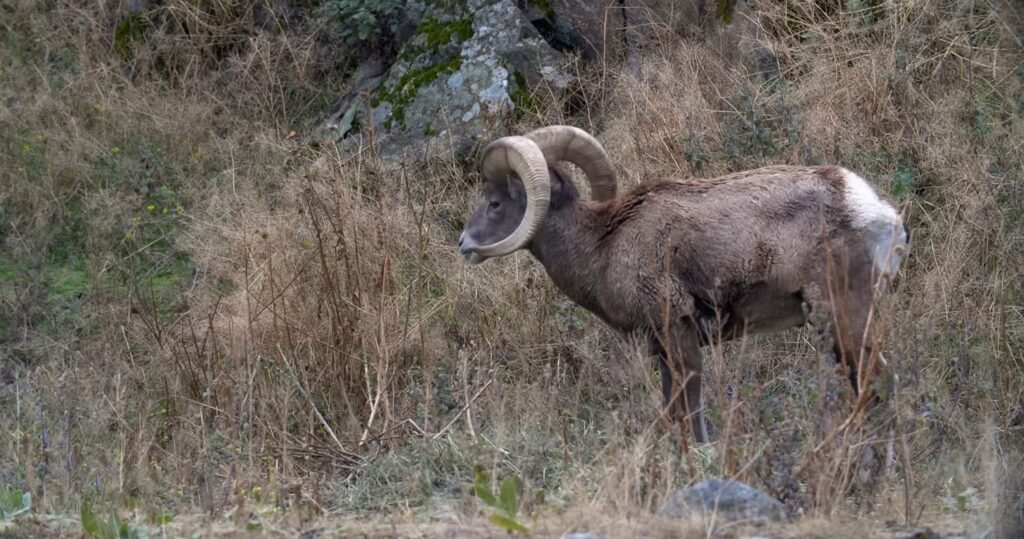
x=522 y=156
x=567 y=143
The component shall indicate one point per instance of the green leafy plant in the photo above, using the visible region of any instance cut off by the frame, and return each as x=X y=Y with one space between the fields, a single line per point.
x=725 y=9
x=903 y=180
x=131 y=30
x=506 y=503
x=14 y=502
x=111 y=527
x=368 y=23
x=762 y=129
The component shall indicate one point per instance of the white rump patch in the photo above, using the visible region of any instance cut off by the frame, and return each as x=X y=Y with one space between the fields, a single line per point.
x=881 y=223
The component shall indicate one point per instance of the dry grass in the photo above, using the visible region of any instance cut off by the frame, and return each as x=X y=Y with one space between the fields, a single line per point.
x=296 y=337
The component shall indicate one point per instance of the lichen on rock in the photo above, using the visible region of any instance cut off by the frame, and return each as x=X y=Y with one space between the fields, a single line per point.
x=455 y=80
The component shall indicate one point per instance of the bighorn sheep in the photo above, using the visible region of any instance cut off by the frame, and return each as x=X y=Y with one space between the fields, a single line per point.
x=686 y=263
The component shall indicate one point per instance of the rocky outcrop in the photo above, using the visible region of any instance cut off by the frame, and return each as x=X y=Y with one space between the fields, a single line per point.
x=460 y=76
x=470 y=64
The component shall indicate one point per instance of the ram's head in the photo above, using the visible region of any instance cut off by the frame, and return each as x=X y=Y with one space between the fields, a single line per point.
x=517 y=183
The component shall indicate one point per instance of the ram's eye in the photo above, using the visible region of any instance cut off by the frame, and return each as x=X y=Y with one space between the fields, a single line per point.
x=494 y=204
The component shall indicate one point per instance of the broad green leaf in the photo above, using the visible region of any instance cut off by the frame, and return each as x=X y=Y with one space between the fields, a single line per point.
x=483 y=491
x=13 y=503
x=24 y=505
x=89 y=523
x=509 y=500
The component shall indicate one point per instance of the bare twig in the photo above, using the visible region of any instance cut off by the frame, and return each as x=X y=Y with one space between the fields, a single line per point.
x=319 y=416
x=464 y=408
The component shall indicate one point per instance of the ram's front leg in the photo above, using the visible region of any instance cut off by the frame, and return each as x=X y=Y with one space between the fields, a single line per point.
x=679 y=357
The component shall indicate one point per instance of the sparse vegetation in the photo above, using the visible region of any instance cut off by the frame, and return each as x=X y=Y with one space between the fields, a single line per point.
x=201 y=315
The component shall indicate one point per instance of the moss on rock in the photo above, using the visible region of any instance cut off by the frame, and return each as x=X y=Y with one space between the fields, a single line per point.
x=473 y=64
x=437 y=33
x=408 y=86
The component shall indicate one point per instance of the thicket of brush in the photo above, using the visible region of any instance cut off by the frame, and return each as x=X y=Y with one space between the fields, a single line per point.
x=199 y=311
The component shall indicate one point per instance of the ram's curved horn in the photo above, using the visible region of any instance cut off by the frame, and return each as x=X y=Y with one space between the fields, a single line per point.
x=523 y=157
x=572 y=144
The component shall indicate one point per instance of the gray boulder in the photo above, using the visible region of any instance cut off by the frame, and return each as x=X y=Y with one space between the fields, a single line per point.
x=460 y=77
x=727 y=500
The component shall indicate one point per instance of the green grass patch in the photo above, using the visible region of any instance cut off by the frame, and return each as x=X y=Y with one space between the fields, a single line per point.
x=168 y=278
x=8 y=271
x=68 y=282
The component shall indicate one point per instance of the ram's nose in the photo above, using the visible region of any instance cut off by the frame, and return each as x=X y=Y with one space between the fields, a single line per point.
x=465 y=247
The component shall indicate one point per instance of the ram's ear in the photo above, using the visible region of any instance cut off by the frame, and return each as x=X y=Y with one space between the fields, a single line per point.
x=563 y=191
x=516 y=190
